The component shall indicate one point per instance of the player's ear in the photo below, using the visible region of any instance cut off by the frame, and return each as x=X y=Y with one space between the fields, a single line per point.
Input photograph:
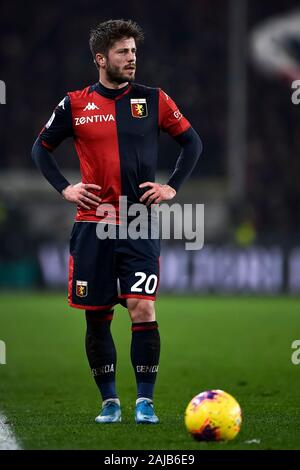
x=99 y=60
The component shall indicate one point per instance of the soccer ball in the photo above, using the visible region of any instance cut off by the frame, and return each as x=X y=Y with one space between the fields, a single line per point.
x=213 y=415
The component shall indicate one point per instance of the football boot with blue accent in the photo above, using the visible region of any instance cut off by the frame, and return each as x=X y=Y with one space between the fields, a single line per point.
x=144 y=412
x=111 y=412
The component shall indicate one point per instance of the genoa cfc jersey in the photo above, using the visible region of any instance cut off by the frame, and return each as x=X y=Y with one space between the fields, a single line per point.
x=116 y=135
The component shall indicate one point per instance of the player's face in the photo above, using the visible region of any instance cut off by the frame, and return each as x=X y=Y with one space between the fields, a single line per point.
x=121 y=61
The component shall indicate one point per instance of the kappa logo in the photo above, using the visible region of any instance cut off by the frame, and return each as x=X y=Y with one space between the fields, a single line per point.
x=90 y=107
x=60 y=104
x=139 y=107
x=81 y=288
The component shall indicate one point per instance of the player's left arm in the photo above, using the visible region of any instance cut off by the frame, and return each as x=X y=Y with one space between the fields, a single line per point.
x=176 y=125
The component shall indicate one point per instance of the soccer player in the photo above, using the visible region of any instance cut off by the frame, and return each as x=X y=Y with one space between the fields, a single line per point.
x=115 y=125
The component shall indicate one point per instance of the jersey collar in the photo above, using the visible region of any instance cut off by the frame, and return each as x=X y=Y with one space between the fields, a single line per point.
x=110 y=92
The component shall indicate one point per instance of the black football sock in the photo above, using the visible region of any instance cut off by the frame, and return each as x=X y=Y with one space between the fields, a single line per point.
x=101 y=351
x=145 y=350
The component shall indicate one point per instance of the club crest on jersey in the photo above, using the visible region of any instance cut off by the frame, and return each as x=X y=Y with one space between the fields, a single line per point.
x=81 y=288
x=139 y=107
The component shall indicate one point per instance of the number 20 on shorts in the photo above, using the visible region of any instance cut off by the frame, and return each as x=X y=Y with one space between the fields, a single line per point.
x=150 y=283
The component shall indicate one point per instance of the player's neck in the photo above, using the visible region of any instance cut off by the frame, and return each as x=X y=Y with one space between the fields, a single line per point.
x=112 y=85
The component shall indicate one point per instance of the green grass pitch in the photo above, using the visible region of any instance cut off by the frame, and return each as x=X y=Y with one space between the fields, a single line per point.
x=241 y=345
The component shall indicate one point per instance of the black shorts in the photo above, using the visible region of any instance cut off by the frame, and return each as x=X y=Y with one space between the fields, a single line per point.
x=105 y=272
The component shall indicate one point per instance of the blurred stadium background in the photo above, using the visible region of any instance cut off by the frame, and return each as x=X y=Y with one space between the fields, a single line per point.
x=229 y=66
x=205 y=56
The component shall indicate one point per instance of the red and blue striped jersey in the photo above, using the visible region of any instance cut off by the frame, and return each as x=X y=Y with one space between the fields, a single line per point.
x=115 y=134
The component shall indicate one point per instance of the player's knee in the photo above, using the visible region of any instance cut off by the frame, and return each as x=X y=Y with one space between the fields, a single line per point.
x=141 y=310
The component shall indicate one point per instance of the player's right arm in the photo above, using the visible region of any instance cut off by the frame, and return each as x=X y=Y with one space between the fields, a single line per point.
x=58 y=128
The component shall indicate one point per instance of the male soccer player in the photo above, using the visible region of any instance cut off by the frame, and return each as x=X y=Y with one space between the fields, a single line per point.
x=115 y=125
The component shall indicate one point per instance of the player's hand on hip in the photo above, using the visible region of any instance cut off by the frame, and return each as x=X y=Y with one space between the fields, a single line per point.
x=81 y=195
x=156 y=193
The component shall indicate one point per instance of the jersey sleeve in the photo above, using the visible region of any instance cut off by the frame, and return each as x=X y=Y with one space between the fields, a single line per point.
x=59 y=126
x=170 y=118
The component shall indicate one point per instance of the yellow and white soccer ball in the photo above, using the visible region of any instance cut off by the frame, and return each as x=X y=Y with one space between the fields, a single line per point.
x=213 y=415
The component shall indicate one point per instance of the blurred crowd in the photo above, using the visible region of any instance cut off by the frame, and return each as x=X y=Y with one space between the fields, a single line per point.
x=273 y=166
x=45 y=53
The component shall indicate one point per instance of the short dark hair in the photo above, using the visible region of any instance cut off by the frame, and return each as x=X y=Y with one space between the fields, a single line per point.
x=105 y=34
